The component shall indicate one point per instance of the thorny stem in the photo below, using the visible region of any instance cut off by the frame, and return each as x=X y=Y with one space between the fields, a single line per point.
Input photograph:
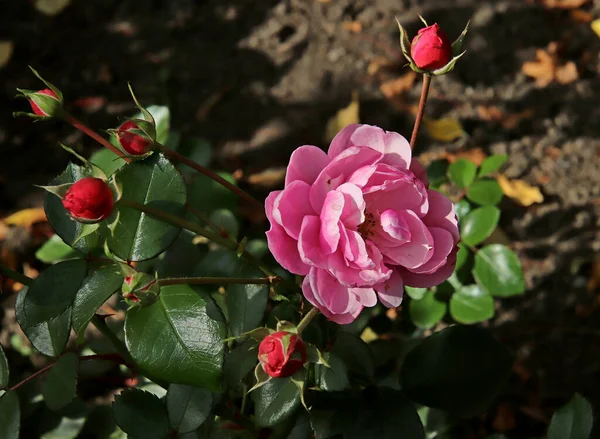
x=108 y=357
x=174 y=155
x=421 y=110
x=202 y=217
x=192 y=227
x=94 y=135
x=217 y=280
x=14 y=275
x=306 y=320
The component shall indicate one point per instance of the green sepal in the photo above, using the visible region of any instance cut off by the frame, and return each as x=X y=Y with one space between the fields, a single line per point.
x=150 y=128
x=112 y=222
x=140 y=290
x=240 y=250
x=85 y=230
x=96 y=171
x=448 y=67
x=113 y=133
x=48 y=104
x=257 y=334
x=48 y=84
x=314 y=355
x=261 y=376
x=299 y=379
x=31 y=115
x=285 y=326
x=405 y=43
x=59 y=190
x=457 y=45
x=423 y=20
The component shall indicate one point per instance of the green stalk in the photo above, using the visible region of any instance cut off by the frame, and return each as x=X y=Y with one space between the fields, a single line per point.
x=306 y=320
x=216 y=280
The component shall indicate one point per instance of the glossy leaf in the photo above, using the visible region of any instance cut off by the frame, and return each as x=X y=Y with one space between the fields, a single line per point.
x=62 y=281
x=485 y=192
x=239 y=362
x=208 y=195
x=107 y=160
x=188 y=407
x=479 y=224
x=461 y=256
x=462 y=173
x=572 y=421
x=471 y=304
x=246 y=304
x=275 y=401
x=55 y=250
x=462 y=208
x=460 y=369
x=156 y=182
x=499 y=271
x=162 y=118
x=59 y=218
x=95 y=289
x=50 y=337
x=415 y=293
x=60 y=384
x=226 y=222
x=175 y=340
x=141 y=415
x=10 y=415
x=4 y=371
x=428 y=311
x=333 y=378
x=491 y=164
x=355 y=353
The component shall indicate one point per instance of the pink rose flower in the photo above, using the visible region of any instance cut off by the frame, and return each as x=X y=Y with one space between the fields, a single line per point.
x=360 y=223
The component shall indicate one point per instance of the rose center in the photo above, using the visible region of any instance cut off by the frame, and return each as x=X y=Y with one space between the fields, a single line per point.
x=366 y=227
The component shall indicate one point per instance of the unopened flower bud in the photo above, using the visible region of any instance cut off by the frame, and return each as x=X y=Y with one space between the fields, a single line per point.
x=140 y=289
x=282 y=354
x=133 y=142
x=89 y=200
x=431 y=49
x=45 y=103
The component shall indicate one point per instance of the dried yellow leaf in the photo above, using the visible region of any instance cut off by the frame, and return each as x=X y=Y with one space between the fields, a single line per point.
x=342 y=118
x=51 y=7
x=26 y=217
x=6 y=50
x=596 y=26
x=444 y=130
x=520 y=191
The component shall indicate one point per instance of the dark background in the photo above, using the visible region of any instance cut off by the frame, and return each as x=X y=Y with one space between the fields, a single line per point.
x=258 y=78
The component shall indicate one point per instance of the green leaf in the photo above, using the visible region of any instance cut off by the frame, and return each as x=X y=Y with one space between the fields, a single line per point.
x=53 y=291
x=175 y=340
x=355 y=353
x=10 y=415
x=55 y=250
x=428 y=311
x=499 y=271
x=246 y=303
x=462 y=173
x=141 y=415
x=197 y=149
x=188 y=407
x=154 y=181
x=462 y=208
x=51 y=337
x=485 y=192
x=162 y=118
x=4 y=371
x=107 y=160
x=479 y=224
x=94 y=291
x=436 y=172
x=275 y=401
x=59 y=218
x=207 y=195
x=492 y=164
x=471 y=304
x=226 y=222
x=415 y=293
x=60 y=385
x=460 y=369
x=334 y=377
x=239 y=362
x=572 y=421
x=461 y=256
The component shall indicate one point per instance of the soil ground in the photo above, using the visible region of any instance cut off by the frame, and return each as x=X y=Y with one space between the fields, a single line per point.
x=259 y=78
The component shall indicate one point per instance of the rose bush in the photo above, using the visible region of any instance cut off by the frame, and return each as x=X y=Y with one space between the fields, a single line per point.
x=360 y=223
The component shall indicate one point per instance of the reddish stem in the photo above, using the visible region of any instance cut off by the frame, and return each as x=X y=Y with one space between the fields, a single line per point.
x=421 y=110
x=94 y=135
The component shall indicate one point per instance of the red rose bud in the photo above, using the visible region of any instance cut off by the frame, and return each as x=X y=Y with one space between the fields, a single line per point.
x=282 y=354
x=89 y=199
x=44 y=102
x=431 y=49
x=132 y=142
x=140 y=289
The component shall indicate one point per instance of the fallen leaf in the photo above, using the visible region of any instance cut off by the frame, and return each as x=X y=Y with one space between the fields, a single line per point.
x=342 y=118
x=546 y=68
x=51 y=7
x=6 y=51
x=595 y=25
x=353 y=26
x=520 y=191
x=581 y=16
x=377 y=64
x=396 y=86
x=564 y=4
x=444 y=130
x=368 y=335
x=26 y=217
x=269 y=178
x=476 y=155
x=507 y=121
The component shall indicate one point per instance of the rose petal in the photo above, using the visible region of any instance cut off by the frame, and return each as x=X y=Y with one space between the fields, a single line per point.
x=309 y=244
x=429 y=280
x=330 y=221
x=291 y=206
x=354 y=205
x=342 y=140
x=305 y=165
x=442 y=214
x=390 y=292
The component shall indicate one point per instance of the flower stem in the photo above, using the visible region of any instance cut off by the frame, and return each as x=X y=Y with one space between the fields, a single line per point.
x=94 y=135
x=15 y=275
x=217 y=280
x=192 y=227
x=421 y=110
x=174 y=155
x=119 y=346
x=307 y=319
